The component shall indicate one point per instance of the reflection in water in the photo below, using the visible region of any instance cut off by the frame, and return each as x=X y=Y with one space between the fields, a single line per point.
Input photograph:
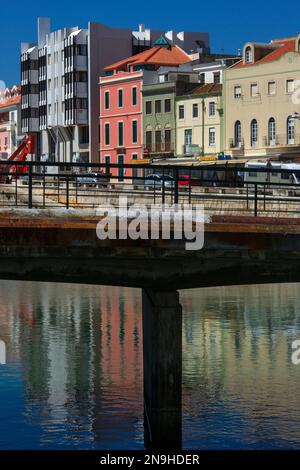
x=74 y=372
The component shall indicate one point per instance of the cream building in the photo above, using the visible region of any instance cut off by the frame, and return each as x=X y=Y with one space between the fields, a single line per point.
x=198 y=121
x=260 y=101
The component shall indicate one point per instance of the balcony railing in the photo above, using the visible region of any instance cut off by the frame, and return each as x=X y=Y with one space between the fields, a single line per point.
x=233 y=144
x=159 y=147
x=281 y=139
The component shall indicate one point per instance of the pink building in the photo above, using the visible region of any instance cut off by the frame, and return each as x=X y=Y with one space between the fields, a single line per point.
x=121 y=119
x=10 y=102
x=121 y=125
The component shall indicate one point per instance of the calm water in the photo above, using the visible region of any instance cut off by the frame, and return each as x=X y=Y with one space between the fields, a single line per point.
x=73 y=377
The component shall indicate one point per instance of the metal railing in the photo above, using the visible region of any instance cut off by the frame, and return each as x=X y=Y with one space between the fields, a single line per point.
x=80 y=185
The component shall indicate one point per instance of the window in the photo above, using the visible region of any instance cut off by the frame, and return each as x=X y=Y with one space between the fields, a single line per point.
x=168 y=140
x=158 y=141
x=248 y=55
x=271 y=88
x=188 y=136
x=181 y=111
x=253 y=89
x=134 y=132
x=212 y=137
x=290 y=130
x=49 y=83
x=237 y=134
x=107 y=133
x=195 y=110
x=120 y=98
x=272 y=131
x=120 y=134
x=148 y=107
x=212 y=108
x=149 y=139
x=157 y=106
x=289 y=86
x=84 y=135
x=49 y=59
x=202 y=78
x=254 y=133
x=134 y=96
x=121 y=168
x=237 y=91
x=106 y=99
x=167 y=105
x=217 y=77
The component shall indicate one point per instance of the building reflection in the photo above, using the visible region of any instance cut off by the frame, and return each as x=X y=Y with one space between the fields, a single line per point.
x=80 y=349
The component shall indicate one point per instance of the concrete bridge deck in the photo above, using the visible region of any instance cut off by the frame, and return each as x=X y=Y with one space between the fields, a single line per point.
x=62 y=246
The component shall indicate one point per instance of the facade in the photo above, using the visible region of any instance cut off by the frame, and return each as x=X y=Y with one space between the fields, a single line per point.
x=211 y=67
x=199 y=116
x=121 y=116
x=121 y=119
x=159 y=109
x=10 y=106
x=259 y=101
x=60 y=83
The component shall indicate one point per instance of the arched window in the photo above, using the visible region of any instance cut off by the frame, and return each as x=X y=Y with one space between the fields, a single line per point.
x=272 y=131
x=290 y=131
x=237 y=133
x=254 y=133
x=248 y=55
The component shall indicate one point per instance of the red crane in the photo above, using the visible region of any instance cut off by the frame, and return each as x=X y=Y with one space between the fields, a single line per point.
x=19 y=155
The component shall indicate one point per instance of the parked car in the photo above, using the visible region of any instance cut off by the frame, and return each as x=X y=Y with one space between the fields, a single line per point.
x=186 y=181
x=157 y=181
x=90 y=180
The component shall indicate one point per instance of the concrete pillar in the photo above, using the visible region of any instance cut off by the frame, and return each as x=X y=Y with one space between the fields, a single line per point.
x=162 y=348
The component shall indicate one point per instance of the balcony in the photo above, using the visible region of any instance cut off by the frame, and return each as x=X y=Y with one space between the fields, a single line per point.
x=159 y=147
x=282 y=140
x=233 y=144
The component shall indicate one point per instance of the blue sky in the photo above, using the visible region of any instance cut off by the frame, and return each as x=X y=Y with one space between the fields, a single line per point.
x=230 y=23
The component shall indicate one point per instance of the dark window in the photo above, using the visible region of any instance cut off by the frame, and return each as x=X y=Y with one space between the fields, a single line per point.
x=168 y=140
x=157 y=141
x=84 y=135
x=120 y=98
x=107 y=133
x=157 y=106
x=120 y=134
x=148 y=107
x=134 y=96
x=167 y=106
x=149 y=139
x=202 y=78
x=134 y=132
x=81 y=49
x=217 y=77
x=181 y=111
x=106 y=99
x=195 y=110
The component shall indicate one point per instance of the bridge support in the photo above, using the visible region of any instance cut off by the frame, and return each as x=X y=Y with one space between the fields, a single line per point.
x=162 y=347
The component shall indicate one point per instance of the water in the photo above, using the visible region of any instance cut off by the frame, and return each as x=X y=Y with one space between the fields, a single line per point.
x=73 y=378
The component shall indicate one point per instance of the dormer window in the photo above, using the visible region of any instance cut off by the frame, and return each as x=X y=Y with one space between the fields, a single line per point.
x=248 y=55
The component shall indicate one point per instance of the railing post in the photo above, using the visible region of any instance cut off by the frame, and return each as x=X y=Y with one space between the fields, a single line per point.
x=176 y=186
x=255 y=199
x=30 y=186
x=67 y=192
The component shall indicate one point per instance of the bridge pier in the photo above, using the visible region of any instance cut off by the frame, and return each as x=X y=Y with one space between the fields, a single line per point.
x=162 y=349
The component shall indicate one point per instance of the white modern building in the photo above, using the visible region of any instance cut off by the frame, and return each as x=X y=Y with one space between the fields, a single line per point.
x=59 y=80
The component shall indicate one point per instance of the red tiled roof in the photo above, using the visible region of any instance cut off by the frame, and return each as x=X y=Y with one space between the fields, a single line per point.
x=172 y=55
x=285 y=45
x=10 y=99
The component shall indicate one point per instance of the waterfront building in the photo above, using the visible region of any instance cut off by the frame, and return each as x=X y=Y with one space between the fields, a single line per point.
x=121 y=119
x=260 y=101
x=10 y=106
x=60 y=83
x=159 y=122
x=199 y=115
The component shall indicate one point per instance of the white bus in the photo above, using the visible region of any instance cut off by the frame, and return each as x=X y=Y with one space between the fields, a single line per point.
x=275 y=176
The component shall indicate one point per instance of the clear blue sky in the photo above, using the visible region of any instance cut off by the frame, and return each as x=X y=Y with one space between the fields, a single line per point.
x=230 y=22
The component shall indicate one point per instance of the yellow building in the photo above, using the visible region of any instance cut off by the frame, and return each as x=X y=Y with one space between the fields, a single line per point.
x=198 y=121
x=261 y=101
